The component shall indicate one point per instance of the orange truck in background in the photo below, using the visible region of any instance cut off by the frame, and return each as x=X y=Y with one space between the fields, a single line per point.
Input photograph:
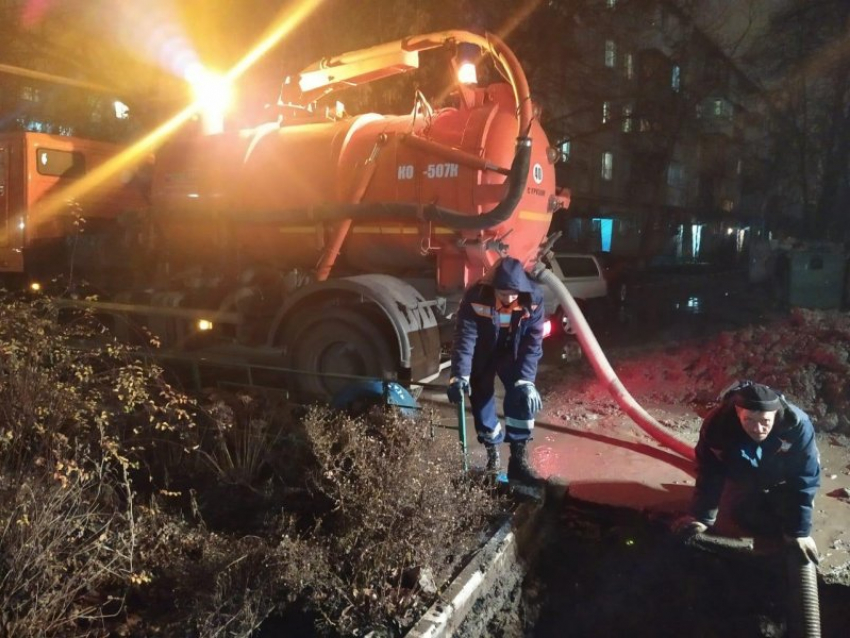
x=41 y=229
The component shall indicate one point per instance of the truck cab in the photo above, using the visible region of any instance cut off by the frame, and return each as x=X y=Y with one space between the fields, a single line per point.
x=43 y=208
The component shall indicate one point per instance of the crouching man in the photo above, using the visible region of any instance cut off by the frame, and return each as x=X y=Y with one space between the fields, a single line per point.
x=757 y=451
x=499 y=332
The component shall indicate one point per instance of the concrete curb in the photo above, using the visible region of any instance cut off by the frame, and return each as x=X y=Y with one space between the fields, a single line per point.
x=501 y=563
x=446 y=615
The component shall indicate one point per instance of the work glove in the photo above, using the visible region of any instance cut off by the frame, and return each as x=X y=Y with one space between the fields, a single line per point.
x=531 y=396
x=689 y=526
x=805 y=546
x=457 y=387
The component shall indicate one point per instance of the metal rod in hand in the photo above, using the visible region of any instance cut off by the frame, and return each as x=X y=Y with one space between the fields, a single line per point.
x=461 y=430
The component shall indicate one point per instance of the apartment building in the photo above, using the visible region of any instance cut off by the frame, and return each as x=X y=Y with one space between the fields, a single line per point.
x=662 y=147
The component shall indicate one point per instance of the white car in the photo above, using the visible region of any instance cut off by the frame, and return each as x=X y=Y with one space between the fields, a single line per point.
x=582 y=275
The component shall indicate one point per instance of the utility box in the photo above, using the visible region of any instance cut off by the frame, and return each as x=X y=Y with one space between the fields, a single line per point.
x=816 y=279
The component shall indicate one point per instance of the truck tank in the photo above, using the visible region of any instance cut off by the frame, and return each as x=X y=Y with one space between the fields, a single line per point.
x=254 y=190
x=337 y=246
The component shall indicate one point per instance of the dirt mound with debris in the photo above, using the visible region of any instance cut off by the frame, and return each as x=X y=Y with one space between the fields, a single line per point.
x=805 y=354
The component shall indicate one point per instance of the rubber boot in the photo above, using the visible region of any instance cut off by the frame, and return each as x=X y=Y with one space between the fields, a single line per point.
x=519 y=469
x=494 y=461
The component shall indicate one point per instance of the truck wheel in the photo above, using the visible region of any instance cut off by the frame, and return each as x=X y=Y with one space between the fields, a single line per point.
x=563 y=321
x=343 y=343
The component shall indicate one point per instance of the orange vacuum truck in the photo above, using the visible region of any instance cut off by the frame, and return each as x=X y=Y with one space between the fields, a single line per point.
x=323 y=242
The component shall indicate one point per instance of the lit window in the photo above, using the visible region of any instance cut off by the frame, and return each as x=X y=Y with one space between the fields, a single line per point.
x=676 y=174
x=720 y=107
x=30 y=94
x=122 y=111
x=607 y=166
x=565 y=148
x=606 y=112
x=610 y=54
x=629 y=66
x=676 y=78
x=627 y=118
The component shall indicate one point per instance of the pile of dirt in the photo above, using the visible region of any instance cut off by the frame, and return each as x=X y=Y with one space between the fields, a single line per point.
x=805 y=354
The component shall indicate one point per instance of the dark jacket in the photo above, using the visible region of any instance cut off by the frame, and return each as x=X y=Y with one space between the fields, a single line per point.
x=786 y=460
x=477 y=330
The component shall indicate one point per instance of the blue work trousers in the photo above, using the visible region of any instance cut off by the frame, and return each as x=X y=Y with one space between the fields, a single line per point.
x=519 y=422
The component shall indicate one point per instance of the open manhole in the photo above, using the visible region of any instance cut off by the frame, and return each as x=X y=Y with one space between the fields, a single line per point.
x=602 y=571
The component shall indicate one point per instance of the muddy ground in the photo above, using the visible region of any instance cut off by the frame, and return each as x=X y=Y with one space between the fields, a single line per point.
x=675 y=364
x=607 y=571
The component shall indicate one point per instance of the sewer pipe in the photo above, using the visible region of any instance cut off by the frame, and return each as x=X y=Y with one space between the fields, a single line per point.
x=604 y=372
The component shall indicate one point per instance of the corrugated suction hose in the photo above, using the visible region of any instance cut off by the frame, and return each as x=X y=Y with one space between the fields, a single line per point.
x=804 y=615
x=801 y=574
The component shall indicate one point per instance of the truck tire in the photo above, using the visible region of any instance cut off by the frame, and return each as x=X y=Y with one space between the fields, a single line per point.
x=345 y=342
x=562 y=322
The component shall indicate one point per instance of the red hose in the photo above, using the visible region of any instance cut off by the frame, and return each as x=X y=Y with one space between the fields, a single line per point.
x=605 y=373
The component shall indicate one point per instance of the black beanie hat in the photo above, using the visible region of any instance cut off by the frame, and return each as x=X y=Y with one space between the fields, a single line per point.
x=757 y=397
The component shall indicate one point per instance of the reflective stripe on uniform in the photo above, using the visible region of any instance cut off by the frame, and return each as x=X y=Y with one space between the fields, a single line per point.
x=482 y=310
x=506 y=312
x=491 y=435
x=519 y=424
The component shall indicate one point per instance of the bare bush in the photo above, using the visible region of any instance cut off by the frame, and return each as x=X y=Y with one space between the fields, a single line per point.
x=401 y=511
x=363 y=518
x=243 y=437
x=121 y=517
x=64 y=543
x=68 y=419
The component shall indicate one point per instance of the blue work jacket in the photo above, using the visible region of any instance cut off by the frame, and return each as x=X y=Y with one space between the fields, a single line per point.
x=476 y=336
x=787 y=459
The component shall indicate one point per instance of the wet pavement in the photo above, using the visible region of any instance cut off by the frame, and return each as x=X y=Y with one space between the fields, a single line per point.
x=606 y=459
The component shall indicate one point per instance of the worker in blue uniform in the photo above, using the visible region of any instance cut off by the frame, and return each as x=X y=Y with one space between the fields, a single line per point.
x=499 y=332
x=757 y=456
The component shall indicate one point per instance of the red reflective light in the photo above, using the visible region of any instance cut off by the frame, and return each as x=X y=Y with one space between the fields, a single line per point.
x=547 y=328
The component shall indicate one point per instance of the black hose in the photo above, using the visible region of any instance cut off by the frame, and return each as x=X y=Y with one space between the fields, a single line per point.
x=803 y=603
x=724 y=545
x=802 y=575
x=504 y=209
x=399 y=211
